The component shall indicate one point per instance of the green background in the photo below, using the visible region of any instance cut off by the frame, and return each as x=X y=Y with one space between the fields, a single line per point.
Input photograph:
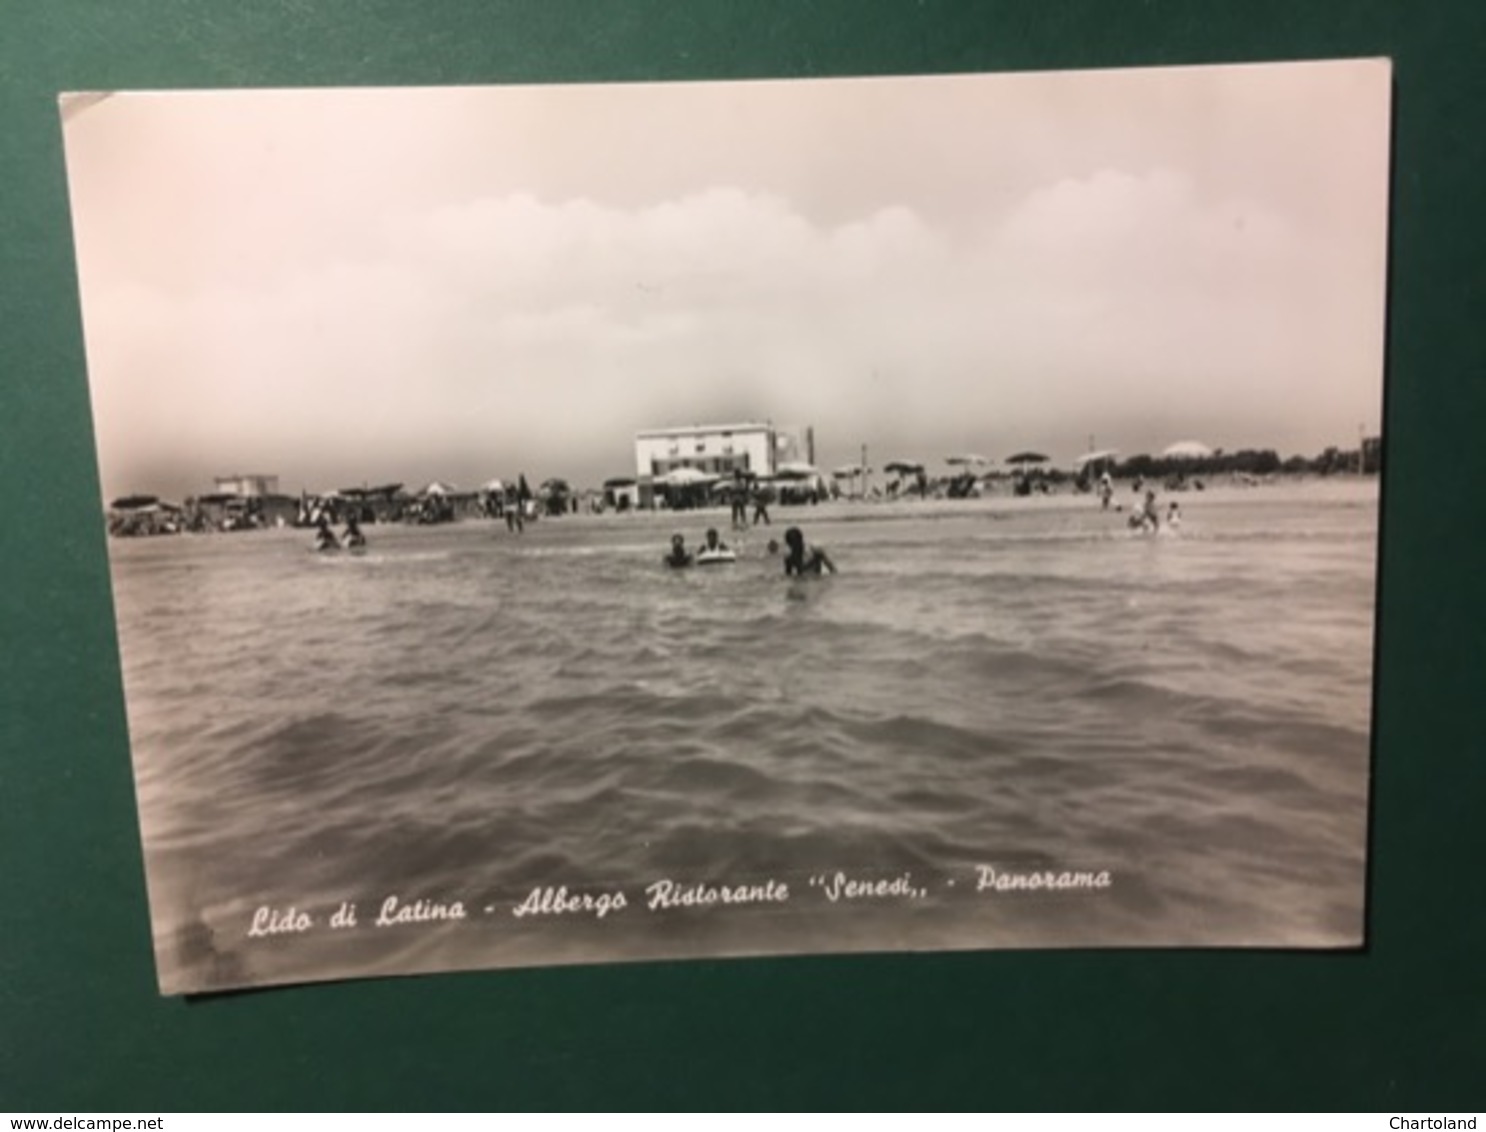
x=1401 y=1026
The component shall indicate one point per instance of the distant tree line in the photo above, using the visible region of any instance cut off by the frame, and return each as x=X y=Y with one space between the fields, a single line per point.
x=1251 y=461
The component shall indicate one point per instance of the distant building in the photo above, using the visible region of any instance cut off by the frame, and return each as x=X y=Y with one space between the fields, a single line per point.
x=246 y=485
x=719 y=450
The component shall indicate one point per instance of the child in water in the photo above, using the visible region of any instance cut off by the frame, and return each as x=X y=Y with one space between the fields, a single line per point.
x=714 y=544
x=679 y=555
x=801 y=558
x=1174 y=515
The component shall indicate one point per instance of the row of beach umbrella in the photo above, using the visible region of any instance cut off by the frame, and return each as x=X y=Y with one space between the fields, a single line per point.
x=693 y=477
x=1182 y=450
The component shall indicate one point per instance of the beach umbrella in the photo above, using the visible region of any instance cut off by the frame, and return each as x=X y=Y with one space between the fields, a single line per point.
x=796 y=471
x=903 y=468
x=619 y=481
x=848 y=471
x=685 y=477
x=438 y=488
x=1188 y=450
x=494 y=487
x=134 y=502
x=1095 y=457
x=1022 y=458
x=969 y=459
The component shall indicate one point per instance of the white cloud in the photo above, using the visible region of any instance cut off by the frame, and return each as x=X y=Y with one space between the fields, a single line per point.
x=348 y=328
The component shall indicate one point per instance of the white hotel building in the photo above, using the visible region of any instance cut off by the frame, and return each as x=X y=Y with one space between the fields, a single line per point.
x=719 y=450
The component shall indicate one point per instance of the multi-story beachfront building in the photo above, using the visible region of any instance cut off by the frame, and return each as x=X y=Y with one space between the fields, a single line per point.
x=717 y=451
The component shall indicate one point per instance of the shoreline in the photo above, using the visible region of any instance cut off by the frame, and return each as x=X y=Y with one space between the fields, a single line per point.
x=840 y=512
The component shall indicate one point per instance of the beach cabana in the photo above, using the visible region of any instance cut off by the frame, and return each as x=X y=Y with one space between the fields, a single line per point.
x=852 y=473
x=799 y=482
x=143 y=515
x=621 y=493
x=1024 y=464
x=556 y=495
x=906 y=470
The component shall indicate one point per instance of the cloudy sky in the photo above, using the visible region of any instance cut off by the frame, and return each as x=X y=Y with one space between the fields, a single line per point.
x=376 y=285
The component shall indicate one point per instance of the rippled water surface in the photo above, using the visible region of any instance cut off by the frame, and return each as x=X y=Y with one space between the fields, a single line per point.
x=465 y=714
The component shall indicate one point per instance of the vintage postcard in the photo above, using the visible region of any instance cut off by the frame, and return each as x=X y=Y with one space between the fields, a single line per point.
x=580 y=524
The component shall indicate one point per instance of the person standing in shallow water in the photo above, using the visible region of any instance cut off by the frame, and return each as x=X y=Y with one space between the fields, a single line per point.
x=800 y=558
x=760 y=505
x=740 y=499
x=515 y=521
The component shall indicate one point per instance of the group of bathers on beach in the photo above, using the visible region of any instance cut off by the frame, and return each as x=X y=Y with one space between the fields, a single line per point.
x=800 y=557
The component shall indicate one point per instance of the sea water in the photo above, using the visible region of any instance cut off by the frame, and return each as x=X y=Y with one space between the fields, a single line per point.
x=1001 y=688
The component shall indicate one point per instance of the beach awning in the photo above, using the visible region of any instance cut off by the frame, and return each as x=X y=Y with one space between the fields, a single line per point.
x=796 y=471
x=134 y=502
x=847 y=471
x=619 y=481
x=903 y=468
x=1027 y=458
x=1095 y=457
x=967 y=459
x=1188 y=450
x=685 y=477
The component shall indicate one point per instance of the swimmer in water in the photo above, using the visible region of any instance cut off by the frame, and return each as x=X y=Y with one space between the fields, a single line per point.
x=324 y=536
x=679 y=555
x=1174 y=515
x=714 y=544
x=353 y=538
x=803 y=558
x=773 y=546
